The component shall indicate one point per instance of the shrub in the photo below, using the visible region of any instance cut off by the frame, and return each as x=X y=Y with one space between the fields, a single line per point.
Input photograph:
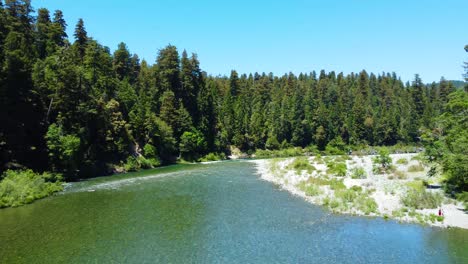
x=145 y=163
x=334 y=203
x=402 y=161
x=23 y=187
x=191 y=144
x=272 y=143
x=213 y=157
x=336 y=168
x=383 y=159
x=367 y=205
x=356 y=188
x=342 y=158
x=300 y=164
x=463 y=197
x=132 y=164
x=336 y=184
x=415 y=168
x=383 y=162
x=398 y=213
x=418 y=157
x=311 y=149
x=150 y=151
x=400 y=175
x=417 y=185
x=347 y=195
x=433 y=218
x=288 y=152
x=312 y=190
x=422 y=199
x=140 y=162
x=318 y=181
x=358 y=173
x=331 y=150
x=336 y=146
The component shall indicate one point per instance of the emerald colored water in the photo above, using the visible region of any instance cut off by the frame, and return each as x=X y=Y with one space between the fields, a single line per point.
x=212 y=213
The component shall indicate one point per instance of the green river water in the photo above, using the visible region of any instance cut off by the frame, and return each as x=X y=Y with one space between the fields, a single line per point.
x=208 y=213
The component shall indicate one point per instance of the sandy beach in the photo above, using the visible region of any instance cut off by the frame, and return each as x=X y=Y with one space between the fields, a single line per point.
x=386 y=189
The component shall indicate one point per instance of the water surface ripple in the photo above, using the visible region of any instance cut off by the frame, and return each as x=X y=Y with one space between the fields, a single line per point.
x=208 y=213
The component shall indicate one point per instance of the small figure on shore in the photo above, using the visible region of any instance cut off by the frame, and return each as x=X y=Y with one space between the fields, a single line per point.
x=440 y=212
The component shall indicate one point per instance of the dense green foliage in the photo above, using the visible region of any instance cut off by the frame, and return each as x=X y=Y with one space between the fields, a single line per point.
x=447 y=141
x=72 y=106
x=23 y=187
x=301 y=164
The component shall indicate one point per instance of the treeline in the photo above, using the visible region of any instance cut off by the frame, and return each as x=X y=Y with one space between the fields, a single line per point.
x=73 y=107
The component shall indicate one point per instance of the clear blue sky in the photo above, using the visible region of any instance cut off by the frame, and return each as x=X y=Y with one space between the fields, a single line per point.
x=402 y=36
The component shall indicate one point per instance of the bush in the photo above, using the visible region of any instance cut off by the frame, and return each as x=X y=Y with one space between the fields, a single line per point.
x=336 y=146
x=402 y=161
x=214 y=157
x=400 y=175
x=422 y=199
x=358 y=173
x=192 y=144
x=336 y=168
x=312 y=190
x=367 y=205
x=415 y=168
x=300 y=164
x=150 y=151
x=334 y=203
x=433 y=218
x=417 y=185
x=283 y=153
x=145 y=163
x=140 y=162
x=23 y=187
x=132 y=164
x=356 y=188
x=272 y=143
x=463 y=197
x=398 y=213
x=383 y=160
x=347 y=195
x=331 y=150
x=336 y=184
x=318 y=181
x=311 y=150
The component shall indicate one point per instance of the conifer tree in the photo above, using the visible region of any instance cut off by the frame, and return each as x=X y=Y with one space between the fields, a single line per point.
x=43 y=25
x=81 y=38
x=122 y=62
x=59 y=26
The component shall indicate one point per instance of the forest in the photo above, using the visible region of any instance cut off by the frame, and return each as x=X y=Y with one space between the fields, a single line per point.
x=72 y=107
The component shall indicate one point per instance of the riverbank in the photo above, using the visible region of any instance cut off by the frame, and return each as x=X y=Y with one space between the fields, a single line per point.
x=352 y=185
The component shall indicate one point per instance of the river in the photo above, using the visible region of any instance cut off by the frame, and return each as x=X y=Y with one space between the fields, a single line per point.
x=208 y=213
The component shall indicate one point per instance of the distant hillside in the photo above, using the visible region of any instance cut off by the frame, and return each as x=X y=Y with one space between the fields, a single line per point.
x=457 y=83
